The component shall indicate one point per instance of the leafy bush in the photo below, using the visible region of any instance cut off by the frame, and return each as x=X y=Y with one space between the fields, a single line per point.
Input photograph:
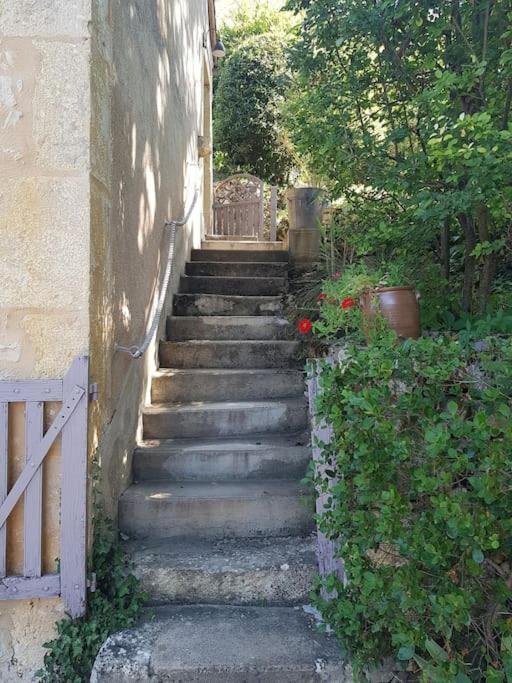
x=247 y=129
x=355 y=279
x=421 y=504
x=404 y=108
x=114 y=606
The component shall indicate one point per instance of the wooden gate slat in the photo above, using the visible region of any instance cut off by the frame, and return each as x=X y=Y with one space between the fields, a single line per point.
x=24 y=588
x=74 y=495
x=33 y=509
x=29 y=390
x=4 y=472
x=273 y=214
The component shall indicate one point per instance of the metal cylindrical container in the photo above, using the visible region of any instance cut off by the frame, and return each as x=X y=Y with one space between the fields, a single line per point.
x=305 y=207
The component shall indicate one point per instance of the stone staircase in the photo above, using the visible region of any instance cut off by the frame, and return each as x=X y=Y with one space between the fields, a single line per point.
x=220 y=533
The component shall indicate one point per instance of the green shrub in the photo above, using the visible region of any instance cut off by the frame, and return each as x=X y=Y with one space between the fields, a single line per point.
x=114 y=606
x=247 y=129
x=422 y=505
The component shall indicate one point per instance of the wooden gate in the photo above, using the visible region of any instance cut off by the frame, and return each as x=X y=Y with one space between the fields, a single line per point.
x=239 y=208
x=72 y=393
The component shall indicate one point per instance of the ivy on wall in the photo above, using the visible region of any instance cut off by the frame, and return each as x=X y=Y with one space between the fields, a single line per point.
x=421 y=455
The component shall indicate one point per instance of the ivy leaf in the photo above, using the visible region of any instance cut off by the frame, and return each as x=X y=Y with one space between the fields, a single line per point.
x=477 y=555
x=436 y=651
x=405 y=653
x=435 y=674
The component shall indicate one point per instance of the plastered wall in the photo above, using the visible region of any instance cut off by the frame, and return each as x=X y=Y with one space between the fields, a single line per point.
x=101 y=103
x=149 y=65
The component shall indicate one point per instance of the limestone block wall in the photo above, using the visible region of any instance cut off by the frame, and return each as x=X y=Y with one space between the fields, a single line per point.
x=44 y=251
x=101 y=103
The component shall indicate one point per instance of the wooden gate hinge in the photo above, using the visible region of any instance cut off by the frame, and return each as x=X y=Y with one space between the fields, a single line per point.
x=94 y=392
x=91 y=583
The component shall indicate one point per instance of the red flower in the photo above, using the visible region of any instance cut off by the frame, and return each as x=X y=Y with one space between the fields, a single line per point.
x=304 y=326
x=347 y=303
x=322 y=296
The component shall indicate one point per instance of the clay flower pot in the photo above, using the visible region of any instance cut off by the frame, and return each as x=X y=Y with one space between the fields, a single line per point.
x=398 y=305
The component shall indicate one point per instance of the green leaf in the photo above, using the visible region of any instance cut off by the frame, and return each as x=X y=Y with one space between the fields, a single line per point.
x=452 y=407
x=406 y=652
x=477 y=555
x=436 y=651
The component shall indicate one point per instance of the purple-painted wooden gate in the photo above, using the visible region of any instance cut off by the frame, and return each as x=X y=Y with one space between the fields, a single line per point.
x=321 y=433
x=71 y=423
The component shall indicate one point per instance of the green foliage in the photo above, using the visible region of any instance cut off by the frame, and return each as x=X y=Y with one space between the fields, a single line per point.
x=421 y=504
x=334 y=321
x=249 y=135
x=251 y=20
x=404 y=108
x=114 y=605
x=357 y=278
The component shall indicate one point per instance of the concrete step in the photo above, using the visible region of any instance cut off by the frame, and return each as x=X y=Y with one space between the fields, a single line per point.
x=215 y=510
x=230 y=354
x=246 y=245
x=196 y=420
x=244 y=286
x=227 y=269
x=224 y=304
x=281 y=456
x=266 y=571
x=226 y=327
x=229 y=238
x=222 y=644
x=184 y=386
x=236 y=256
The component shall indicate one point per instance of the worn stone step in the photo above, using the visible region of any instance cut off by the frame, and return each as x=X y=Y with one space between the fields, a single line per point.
x=222 y=644
x=230 y=354
x=266 y=571
x=229 y=269
x=190 y=420
x=280 y=456
x=236 y=256
x=247 y=509
x=243 y=286
x=226 y=304
x=185 y=385
x=257 y=246
x=226 y=328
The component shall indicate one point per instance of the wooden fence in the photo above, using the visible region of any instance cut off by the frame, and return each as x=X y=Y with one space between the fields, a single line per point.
x=70 y=423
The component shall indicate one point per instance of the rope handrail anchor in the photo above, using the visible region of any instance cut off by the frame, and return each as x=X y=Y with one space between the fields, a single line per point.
x=137 y=351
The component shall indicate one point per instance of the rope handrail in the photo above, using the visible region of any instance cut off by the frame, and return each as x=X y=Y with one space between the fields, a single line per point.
x=138 y=351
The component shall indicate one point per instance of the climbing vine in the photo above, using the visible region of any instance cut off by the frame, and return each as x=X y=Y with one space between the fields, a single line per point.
x=114 y=605
x=421 y=504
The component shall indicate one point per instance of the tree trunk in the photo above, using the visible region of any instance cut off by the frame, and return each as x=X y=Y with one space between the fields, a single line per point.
x=489 y=266
x=486 y=278
x=469 y=261
x=445 y=249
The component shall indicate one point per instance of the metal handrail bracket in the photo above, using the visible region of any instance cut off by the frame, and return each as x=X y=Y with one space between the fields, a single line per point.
x=137 y=351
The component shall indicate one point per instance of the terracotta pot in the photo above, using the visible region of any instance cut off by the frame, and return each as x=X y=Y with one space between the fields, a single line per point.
x=398 y=305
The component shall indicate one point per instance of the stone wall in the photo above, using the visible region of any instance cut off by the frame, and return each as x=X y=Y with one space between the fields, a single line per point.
x=101 y=103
